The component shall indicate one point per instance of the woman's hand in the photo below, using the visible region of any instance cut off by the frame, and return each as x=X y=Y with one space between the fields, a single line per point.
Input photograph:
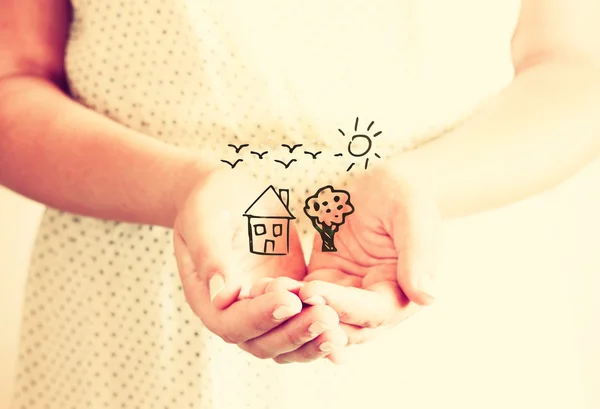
x=384 y=265
x=215 y=264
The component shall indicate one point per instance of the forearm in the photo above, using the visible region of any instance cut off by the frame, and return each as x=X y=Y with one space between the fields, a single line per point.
x=541 y=129
x=59 y=153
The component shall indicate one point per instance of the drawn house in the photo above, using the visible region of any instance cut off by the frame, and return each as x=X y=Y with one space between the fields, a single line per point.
x=269 y=223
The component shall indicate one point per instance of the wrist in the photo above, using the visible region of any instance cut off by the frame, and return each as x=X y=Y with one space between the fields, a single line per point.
x=194 y=170
x=404 y=176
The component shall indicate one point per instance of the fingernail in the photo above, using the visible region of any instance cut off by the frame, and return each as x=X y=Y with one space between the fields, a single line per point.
x=326 y=347
x=283 y=312
x=317 y=328
x=427 y=286
x=315 y=300
x=245 y=291
x=215 y=286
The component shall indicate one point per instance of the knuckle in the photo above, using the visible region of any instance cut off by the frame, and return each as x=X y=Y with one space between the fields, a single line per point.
x=371 y=323
x=326 y=314
x=280 y=360
x=261 y=326
x=261 y=353
x=310 y=354
x=294 y=339
x=311 y=288
x=278 y=283
x=229 y=339
x=344 y=315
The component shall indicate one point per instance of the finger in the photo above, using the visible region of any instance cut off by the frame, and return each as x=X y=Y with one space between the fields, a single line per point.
x=254 y=289
x=325 y=344
x=358 y=335
x=183 y=257
x=251 y=318
x=193 y=288
x=284 y=284
x=268 y=284
x=338 y=356
x=415 y=231
x=334 y=276
x=209 y=241
x=369 y=308
x=294 y=333
x=331 y=276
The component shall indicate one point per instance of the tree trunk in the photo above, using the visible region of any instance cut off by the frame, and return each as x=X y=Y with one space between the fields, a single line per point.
x=327 y=234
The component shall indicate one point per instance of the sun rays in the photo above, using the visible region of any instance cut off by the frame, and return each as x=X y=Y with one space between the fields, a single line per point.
x=361 y=144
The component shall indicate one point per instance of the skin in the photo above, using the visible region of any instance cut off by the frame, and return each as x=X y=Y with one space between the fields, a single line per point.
x=530 y=125
x=147 y=182
x=545 y=124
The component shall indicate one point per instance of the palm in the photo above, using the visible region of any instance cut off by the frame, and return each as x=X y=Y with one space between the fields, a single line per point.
x=365 y=256
x=256 y=266
x=213 y=227
x=390 y=237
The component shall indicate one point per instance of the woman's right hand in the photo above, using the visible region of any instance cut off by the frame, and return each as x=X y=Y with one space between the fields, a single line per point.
x=215 y=264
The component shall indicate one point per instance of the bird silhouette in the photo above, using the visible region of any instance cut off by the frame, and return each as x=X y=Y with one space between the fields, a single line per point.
x=238 y=148
x=314 y=155
x=292 y=147
x=259 y=154
x=287 y=165
x=233 y=165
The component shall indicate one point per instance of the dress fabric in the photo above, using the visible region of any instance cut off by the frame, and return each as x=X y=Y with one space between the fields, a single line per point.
x=106 y=324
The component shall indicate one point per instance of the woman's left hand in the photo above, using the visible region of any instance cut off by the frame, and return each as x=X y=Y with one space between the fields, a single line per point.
x=384 y=265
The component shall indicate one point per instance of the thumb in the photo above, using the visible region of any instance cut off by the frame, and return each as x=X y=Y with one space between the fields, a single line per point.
x=207 y=249
x=416 y=231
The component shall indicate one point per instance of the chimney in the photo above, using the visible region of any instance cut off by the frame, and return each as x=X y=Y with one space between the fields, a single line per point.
x=284 y=194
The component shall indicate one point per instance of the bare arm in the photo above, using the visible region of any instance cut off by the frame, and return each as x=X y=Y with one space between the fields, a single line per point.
x=64 y=155
x=541 y=129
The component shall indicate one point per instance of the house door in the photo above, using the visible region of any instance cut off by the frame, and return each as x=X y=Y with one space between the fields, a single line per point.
x=269 y=246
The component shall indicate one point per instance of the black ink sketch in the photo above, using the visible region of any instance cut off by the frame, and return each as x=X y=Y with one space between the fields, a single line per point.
x=339 y=154
x=327 y=209
x=291 y=148
x=269 y=223
x=286 y=165
x=259 y=154
x=360 y=144
x=238 y=148
x=233 y=165
x=314 y=155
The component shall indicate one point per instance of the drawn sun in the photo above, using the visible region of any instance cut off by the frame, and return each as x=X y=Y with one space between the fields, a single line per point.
x=360 y=144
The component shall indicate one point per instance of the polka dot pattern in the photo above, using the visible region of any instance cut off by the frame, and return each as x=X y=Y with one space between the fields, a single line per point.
x=106 y=324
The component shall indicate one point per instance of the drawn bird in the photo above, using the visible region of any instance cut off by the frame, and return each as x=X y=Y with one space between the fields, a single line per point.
x=291 y=148
x=233 y=165
x=287 y=165
x=238 y=148
x=314 y=155
x=259 y=154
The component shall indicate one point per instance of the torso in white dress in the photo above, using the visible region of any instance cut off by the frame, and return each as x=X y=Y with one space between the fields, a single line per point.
x=106 y=323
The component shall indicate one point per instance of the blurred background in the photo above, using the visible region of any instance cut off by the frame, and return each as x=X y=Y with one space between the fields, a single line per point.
x=19 y=218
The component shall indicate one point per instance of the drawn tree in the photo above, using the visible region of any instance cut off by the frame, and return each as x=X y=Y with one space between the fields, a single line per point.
x=327 y=210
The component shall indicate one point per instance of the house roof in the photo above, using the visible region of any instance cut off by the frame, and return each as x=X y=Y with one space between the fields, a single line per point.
x=269 y=199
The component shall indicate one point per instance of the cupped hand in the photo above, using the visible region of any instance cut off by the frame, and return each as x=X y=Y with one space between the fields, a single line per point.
x=216 y=265
x=383 y=266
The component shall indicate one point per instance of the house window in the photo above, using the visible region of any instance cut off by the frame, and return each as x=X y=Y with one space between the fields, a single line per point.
x=277 y=230
x=259 y=229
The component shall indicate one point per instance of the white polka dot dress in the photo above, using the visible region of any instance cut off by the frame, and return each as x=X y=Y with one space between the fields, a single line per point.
x=106 y=324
